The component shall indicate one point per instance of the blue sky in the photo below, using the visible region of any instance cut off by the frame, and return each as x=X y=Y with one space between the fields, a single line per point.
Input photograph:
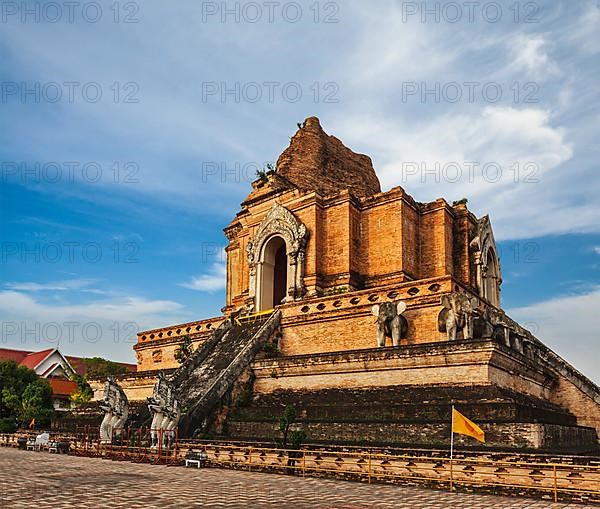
x=127 y=233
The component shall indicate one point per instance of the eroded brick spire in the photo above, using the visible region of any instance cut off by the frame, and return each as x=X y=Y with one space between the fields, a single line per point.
x=317 y=161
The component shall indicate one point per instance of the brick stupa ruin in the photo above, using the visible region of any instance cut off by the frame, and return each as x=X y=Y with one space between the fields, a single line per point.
x=371 y=313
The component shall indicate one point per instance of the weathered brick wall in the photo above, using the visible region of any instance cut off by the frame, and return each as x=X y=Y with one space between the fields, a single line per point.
x=411 y=245
x=437 y=242
x=344 y=321
x=359 y=236
x=156 y=348
x=380 y=240
x=137 y=386
x=506 y=435
x=334 y=259
x=464 y=224
x=317 y=161
x=582 y=404
x=460 y=362
x=406 y=403
x=441 y=363
x=381 y=235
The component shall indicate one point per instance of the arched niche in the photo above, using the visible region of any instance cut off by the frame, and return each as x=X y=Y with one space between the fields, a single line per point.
x=279 y=231
x=491 y=278
x=487 y=262
x=272 y=275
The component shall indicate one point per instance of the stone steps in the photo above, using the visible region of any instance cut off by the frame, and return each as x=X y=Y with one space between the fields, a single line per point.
x=210 y=373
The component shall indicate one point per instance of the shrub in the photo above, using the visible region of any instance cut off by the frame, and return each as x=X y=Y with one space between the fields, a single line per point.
x=8 y=425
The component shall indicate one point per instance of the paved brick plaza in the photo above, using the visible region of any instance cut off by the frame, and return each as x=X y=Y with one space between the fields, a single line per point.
x=40 y=480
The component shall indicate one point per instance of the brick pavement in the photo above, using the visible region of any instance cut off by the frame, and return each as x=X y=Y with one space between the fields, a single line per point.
x=40 y=480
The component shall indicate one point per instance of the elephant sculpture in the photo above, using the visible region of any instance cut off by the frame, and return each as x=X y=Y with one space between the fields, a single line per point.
x=390 y=322
x=457 y=315
x=493 y=324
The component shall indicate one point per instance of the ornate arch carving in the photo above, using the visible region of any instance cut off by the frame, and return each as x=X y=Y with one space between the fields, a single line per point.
x=281 y=222
x=486 y=260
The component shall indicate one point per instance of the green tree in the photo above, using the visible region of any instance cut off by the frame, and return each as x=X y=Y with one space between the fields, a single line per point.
x=185 y=349
x=285 y=421
x=8 y=425
x=292 y=438
x=83 y=394
x=13 y=381
x=23 y=396
x=97 y=367
x=296 y=437
x=36 y=403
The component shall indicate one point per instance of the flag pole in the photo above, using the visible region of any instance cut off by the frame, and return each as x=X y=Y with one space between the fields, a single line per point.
x=452 y=434
x=452 y=451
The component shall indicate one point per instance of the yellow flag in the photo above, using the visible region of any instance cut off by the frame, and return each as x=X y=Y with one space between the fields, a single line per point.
x=462 y=425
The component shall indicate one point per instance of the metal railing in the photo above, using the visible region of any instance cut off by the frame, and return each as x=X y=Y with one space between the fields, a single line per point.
x=239 y=320
x=128 y=444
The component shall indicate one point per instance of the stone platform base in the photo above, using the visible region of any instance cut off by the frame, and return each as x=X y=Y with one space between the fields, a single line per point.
x=415 y=416
x=504 y=435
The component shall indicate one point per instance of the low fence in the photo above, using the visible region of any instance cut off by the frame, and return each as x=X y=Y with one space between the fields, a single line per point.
x=552 y=480
x=142 y=445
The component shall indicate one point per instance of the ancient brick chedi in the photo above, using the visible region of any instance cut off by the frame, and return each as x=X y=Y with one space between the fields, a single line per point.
x=387 y=312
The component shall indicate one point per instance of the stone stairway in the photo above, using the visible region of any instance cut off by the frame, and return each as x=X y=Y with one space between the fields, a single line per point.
x=212 y=370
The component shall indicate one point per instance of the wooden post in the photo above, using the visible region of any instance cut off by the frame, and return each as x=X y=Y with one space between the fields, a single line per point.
x=303 y=462
x=160 y=441
x=176 y=450
x=452 y=452
x=555 y=485
x=249 y=459
x=369 y=468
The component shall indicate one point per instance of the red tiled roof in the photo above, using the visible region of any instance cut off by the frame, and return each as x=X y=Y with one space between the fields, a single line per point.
x=62 y=387
x=78 y=364
x=33 y=359
x=7 y=354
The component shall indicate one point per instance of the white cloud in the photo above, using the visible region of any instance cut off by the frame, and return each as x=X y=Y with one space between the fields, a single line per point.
x=104 y=327
x=529 y=54
x=213 y=281
x=585 y=31
x=597 y=250
x=570 y=325
x=56 y=286
x=387 y=49
x=522 y=142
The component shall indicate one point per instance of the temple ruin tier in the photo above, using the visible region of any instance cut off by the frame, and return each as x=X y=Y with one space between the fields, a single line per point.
x=369 y=312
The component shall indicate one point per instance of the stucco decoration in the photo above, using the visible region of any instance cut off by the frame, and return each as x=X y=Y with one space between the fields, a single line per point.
x=279 y=222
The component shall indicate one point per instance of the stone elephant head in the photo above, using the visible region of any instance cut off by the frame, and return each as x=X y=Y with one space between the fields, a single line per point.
x=390 y=322
x=492 y=323
x=457 y=315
